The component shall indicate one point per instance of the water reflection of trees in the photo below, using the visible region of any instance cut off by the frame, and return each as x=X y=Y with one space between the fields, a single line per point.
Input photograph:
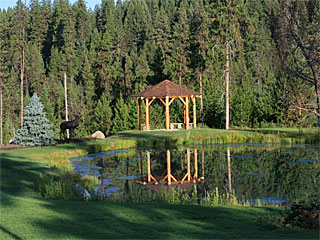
x=263 y=172
x=121 y=166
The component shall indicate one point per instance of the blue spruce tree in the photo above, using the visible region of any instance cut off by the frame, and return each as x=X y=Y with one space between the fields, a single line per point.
x=36 y=130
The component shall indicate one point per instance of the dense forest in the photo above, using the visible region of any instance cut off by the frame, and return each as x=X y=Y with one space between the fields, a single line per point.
x=121 y=48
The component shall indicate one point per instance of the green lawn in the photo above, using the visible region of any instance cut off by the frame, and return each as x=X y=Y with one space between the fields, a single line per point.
x=25 y=215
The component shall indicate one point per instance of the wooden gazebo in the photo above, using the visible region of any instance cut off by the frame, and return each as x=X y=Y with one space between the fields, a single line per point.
x=166 y=91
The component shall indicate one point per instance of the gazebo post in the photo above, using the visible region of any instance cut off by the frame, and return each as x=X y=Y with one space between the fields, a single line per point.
x=167 y=113
x=187 y=112
x=193 y=99
x=139 y=114
x=147 y=114
x=188 y=165
x=195 y=164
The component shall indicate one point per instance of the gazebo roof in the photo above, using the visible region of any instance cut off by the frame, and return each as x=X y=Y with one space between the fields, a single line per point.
x=166 y=88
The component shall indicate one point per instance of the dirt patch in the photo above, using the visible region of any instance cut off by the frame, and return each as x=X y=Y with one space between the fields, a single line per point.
x=15 y=146
x=11 y=146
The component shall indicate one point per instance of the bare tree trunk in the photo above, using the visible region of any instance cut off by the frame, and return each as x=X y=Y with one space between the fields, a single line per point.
x=318 y=101
x=1 y=141
x=317 y=88
x=201 y=99
x=21 y=81
x=180 y=69
x=227 y=85
x=66 y=100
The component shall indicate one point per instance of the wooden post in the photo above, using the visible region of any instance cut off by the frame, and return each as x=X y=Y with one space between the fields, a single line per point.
x=167 y=114
x=229 y=174
x=66 y=100
x=1 y=141
x=147 y=114
x=169 y=167
x=195 y=164
x=194 y=112
x=139 y=114
x=149 y=166
x=187 y=112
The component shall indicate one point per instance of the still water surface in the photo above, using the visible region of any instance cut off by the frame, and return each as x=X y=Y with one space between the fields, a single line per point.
x=264 y=173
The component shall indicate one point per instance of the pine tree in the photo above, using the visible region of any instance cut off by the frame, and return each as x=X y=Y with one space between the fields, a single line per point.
x=39 y=22
x=102 y=119
x=180 y=49
x=199 y=46
x=36 y=130
x=137 y=24
x=161 y=43
x=125 y=115
x=35 y=72
x=121 y=116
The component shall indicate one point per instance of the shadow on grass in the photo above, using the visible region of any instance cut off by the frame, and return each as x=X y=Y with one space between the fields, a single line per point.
x=97 y=220
x=9 y=233
x=18 y=174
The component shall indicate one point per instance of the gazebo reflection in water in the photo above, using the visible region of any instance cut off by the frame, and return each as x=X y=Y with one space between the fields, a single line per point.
x=184 y=179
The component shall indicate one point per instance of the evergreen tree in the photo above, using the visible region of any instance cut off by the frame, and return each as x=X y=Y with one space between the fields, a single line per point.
x=125 y=115
x=105 y=63
x=34 y=69
x=121 y=116
x=180 y=47
x=83 y=27
x=162 y=45
x=137 y=24
x=102 y=119
x=36 y=130
x=39 y=23
x=199 y=46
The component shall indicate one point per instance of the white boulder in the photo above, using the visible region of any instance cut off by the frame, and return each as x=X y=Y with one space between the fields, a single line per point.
x=98 y=135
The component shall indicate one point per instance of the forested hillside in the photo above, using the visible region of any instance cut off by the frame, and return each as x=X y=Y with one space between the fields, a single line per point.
x=120 y=48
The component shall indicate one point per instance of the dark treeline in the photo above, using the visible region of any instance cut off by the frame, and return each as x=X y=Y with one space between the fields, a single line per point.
x=123 y=47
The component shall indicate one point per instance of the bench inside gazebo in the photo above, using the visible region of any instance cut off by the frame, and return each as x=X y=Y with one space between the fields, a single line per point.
x=166 y=91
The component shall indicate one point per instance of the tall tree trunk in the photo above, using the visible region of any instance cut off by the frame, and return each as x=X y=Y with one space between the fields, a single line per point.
x=227 y=84
x=66 y=100
x=201 y=99
x=1 y=120
x=317 y=86
x=180 y=73
x=21 y=79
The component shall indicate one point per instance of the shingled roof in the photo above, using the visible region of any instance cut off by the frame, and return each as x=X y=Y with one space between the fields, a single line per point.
x=166 y=88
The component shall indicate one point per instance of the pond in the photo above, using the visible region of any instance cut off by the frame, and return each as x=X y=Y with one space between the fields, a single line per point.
x=253 y=173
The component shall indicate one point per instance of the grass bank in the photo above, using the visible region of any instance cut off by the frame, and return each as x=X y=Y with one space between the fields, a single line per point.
x=25 y=215
x=207 y=136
